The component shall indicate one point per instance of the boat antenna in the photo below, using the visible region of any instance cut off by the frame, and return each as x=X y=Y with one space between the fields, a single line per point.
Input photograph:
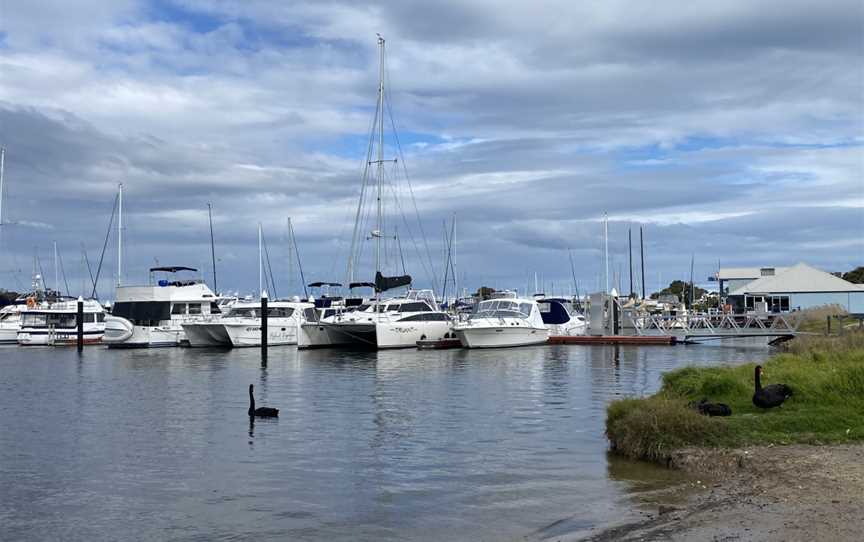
x=104 y=246
x=212 y=246
x=692 y=259
x=642 y=259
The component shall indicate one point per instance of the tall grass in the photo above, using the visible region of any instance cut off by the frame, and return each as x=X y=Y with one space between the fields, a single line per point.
x=825 y=373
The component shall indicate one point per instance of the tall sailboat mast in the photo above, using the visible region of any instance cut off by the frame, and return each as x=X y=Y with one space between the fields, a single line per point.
x=378 y=227
x=120 y=236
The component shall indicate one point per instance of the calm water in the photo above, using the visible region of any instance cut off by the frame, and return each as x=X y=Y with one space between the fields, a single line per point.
x=407 y=445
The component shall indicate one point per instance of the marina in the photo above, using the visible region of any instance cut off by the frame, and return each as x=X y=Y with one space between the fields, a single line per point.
x=418 y=271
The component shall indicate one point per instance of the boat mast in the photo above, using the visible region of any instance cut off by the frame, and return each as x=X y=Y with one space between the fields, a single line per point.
x=378 y=232
x=212 y=246
x=260 y=262
x=606 y=247
x=642 y=260
x=2 y=165
x=56 y=275
x=120 y=236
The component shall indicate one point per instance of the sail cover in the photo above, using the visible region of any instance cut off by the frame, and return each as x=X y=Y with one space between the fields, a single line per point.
x=382 y=283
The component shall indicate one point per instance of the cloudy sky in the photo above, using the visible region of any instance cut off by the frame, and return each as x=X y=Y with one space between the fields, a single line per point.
x=732 y=131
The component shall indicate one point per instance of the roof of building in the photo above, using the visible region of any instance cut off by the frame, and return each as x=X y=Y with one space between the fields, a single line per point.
x=733 y=273
x=799 y=278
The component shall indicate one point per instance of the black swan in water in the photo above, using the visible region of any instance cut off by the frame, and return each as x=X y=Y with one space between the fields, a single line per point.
x=769 y=396
x=711 y=409
x=261 y=412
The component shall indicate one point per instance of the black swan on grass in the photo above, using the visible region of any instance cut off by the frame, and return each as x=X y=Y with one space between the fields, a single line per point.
x=260 y=412
x=711 y=409
x=770 y=396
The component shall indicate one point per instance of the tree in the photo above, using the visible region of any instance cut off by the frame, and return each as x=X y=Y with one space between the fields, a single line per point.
x=484 y=292
x=681 y=290
x=855 y=276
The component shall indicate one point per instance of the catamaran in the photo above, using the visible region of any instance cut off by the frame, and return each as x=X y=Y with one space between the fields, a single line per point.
x=241 y=326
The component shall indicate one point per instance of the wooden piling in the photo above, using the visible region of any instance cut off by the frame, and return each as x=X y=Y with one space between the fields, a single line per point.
x=264 y=326
x=80 y=322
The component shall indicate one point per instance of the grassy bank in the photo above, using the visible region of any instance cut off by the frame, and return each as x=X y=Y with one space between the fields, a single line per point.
x=826 y=374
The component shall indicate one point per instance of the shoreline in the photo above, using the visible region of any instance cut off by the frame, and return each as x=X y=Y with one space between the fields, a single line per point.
x=792 y=492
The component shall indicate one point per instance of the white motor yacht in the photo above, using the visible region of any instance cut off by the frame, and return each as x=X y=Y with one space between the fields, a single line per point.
x=10 y=320
x=56 y=323
x=503 y=322
x=560 y=321
x=153 y=316
x=242 y=325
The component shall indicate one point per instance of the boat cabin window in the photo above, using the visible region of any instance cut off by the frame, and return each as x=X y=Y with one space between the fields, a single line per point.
x=363 y=307
x=426 y=317
x=415 y=307
x=243 y=312
x=329 y=312
x=194 y=308
x=214 y=308
x=143 y=313
x=56 y=320
x=310 y=314
x=279 y=312
x=499 y=308
x=178 y=308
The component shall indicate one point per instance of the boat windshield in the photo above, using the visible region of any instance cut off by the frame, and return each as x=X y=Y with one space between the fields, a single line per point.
x=500 y=308
x=243 y=312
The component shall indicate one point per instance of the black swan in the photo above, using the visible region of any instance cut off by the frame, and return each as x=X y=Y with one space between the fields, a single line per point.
x=261 y=412
x=711 y=409
x=769 y=396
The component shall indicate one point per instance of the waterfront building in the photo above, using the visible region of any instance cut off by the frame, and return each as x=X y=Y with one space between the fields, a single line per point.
x=793 y=288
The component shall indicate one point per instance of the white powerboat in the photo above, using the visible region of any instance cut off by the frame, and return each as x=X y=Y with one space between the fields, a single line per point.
x=10 y=320
x=56 y=324
x=153 y=316
x=503 y=322
x=242 y=325
x=560 y=321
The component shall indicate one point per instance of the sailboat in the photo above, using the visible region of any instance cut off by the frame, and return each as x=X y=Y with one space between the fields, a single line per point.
x=381 y=322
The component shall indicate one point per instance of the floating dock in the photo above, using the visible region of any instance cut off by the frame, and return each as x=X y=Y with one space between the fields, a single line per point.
x=615 y=339
x=438 y=344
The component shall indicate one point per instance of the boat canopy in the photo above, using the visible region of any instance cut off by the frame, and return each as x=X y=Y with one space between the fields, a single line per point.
x=361 y=285
x=172 y=269
x=553 y=311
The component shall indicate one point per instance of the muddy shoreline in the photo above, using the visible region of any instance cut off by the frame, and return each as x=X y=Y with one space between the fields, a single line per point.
x=796 y=492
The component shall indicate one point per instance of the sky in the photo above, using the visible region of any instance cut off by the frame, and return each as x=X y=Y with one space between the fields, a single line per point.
x=731 y=132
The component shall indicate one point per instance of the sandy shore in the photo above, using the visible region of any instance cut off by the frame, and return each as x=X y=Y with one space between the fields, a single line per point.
x=787 y=493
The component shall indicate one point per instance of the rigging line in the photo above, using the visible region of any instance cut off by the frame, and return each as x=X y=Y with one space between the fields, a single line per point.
x=87 y=261
x=39 y=263
x=401 y=254
x=299 y=265
x=429 y=272
x=269 y=269
x=413 y=198
x=446 y=265
x=363 y=187
x=63 y=271
x=104 y=247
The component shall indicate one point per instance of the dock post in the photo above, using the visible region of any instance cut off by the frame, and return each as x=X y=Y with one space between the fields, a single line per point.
x=616 y=326
x=828 y=319
x=80 y=322
x=264 y=326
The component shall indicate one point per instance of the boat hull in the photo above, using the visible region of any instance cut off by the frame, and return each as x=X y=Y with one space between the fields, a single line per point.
x=501 y=336
x=205 y=334
x=279 y=333
x=406 y=334
x=9 y=335
x=121 y=333
x=314 y=335
x=62 y=337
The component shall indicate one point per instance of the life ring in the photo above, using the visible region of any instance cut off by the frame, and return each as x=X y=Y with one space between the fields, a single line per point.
x=31 y=302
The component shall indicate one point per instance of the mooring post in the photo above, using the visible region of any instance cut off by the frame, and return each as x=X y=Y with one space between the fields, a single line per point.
x=80 y=322
x=828 y=318
x=264 y=326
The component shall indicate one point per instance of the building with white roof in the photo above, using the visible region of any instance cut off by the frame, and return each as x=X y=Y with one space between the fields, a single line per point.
x=798 y=287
